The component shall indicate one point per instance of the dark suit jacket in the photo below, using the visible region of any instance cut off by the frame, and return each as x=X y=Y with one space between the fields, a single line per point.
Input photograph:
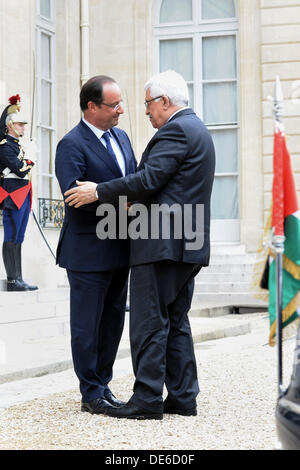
x=177 y=167
x=9 y=151
x=81 y=156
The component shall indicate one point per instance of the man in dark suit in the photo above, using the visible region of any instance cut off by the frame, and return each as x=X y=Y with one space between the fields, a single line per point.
x=176 y=171
x=97 y=269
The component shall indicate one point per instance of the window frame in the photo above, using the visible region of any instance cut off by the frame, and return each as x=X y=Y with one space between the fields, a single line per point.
x=197 y=30
x=46 y=27
x=45 y=18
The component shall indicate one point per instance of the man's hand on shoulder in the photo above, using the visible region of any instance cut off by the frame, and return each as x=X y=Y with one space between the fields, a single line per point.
x=84 y=193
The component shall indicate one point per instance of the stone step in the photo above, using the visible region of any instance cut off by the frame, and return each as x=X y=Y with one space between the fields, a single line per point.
x=204 y=276
x=219 y=287
x=33 y=330
x=22 y=356
x=227 y=268
x=33 y=297
x=220 y=249
x=207 y=329
x=57 y=295
x=33 y=311
x=210 y=311
x=232 y=258
x=10 y=299
x=223 y=298
x=213 y=311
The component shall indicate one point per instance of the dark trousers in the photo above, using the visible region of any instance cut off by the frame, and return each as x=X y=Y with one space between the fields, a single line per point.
x=15 y=222
x=161 y=340
x=98 y=301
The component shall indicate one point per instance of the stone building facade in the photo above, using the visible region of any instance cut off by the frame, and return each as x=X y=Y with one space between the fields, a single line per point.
x=229 y=51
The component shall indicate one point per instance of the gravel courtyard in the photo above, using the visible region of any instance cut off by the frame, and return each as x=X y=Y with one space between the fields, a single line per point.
x=238 y=381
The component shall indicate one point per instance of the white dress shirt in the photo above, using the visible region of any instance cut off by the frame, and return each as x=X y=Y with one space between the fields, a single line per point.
x=178 y=111
x=115 y=146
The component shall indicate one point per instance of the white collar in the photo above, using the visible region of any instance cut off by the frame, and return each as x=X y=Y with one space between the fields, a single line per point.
x=99 y=132
x=178 y=111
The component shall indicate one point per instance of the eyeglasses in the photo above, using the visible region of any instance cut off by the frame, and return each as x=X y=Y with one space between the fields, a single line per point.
x=115 y=107
x=146 y=103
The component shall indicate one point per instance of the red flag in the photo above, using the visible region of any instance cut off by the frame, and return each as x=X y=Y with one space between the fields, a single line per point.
x=285 y=200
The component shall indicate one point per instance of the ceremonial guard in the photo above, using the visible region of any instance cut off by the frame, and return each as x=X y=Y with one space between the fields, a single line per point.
x=15 y=192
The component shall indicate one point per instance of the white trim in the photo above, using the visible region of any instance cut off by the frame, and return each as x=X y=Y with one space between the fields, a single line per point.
x=234 y=173
x=46 y=27
x=196 y=17
x=85 y=41
x=43 y=21
x=197 y=30
x=297 y=214
x=225 y=230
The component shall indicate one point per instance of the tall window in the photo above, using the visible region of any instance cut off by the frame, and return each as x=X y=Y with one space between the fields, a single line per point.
x=198 y=38
x=45 y=102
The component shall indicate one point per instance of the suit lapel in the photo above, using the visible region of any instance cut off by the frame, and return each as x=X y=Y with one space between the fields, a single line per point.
x=143 y=159
x=99 y=150
x=123 y=147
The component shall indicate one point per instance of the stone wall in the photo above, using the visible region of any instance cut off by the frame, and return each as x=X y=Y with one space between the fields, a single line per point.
x=122 y=45
x=280 y=29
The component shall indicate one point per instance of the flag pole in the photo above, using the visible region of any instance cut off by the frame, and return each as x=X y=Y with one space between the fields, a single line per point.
x=278 y=242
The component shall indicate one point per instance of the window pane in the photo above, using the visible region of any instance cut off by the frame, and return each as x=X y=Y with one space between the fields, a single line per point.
x=224 y=203
x=56 y=192
x=45 y=157
x=46 y=104
x=220 y=103
x=46 y=56
x=177 y=54
x=45 y=8
x=191 y=94
x=226 y=146
x=49 y=192
x=46 y=189
x=214 y=9
x=219 y=57
x=176 y=10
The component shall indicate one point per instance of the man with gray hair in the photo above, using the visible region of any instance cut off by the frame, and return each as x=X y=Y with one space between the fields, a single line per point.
x=177 y=168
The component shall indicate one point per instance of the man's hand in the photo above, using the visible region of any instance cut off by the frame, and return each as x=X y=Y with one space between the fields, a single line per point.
x=85 y=193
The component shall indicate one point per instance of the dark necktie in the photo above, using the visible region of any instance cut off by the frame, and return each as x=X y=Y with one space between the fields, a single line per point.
x=106 y=136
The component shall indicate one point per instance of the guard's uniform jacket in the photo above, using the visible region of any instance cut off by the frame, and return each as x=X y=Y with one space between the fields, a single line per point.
x=15 y=194
x=14 y=169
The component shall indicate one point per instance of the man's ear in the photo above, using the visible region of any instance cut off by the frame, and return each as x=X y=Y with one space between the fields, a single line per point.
x=166 y=102
x=91 y=106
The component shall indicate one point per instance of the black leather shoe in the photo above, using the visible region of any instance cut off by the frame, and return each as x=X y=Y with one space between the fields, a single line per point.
x=132 y=411
x=15 y=285
x=170 y=408
x=109 y=396
x=27 y=286
x=98 y=406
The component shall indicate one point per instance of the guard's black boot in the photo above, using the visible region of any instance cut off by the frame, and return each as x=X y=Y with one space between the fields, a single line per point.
x=18 y=261
x=15 y=286
x=9 y=260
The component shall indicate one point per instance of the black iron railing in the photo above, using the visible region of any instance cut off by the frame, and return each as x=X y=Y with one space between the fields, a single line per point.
x=51 y=212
